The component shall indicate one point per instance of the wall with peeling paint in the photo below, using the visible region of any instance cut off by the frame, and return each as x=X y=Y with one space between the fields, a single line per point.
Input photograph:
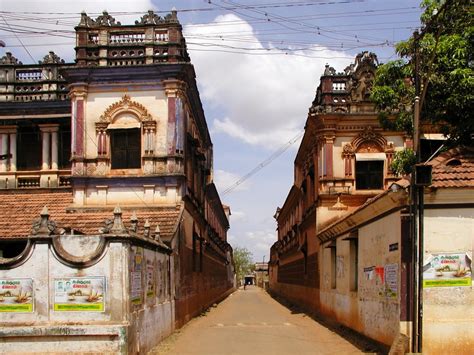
x=122 y=327
x=368 y=306
x=448 y=312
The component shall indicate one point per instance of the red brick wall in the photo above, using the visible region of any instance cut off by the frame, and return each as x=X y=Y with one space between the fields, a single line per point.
x=296 y=285
x=294 y=272
x=197 y=290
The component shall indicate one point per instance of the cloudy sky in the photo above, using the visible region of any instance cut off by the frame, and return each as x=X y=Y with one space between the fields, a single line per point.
x=258 y=64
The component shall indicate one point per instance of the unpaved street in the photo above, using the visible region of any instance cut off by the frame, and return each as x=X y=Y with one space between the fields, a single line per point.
x=251 y=322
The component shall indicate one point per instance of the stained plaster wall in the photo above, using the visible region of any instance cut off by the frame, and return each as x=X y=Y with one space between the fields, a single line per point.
x=154 y=318
x=154 y=99
x=369 y=309
x=45 y=330
x=448 y=312
x=129 y=195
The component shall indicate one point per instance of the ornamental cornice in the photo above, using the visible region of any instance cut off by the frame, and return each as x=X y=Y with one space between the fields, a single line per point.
x=78 y=91
x=175 y=88
x=369 y=135
x=125 y=105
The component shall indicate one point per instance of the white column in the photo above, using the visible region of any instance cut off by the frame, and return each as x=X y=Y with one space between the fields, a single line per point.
x=13 y=151
x=54 y=150
x=45 y=164
x=4 y=150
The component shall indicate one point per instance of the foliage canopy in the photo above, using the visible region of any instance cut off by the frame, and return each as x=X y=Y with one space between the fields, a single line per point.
x=244 y=264
x=446 y=72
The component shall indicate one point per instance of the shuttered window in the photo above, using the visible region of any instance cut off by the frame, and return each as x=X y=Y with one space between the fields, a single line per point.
x=29 y=148
x=126 y=148
x=369 y=175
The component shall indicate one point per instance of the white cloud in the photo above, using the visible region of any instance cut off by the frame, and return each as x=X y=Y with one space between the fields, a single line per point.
x=224 y=179
x=238 y=216
x=61 y=43
x=261 y=99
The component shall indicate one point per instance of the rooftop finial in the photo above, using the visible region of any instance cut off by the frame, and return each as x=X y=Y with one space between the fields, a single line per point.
x=43 y=225
x=147 y=228
x=134 y=222
x=157 y=236
x=118 y=226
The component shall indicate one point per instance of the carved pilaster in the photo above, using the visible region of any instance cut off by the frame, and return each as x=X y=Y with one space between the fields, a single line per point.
x=348 y=156
x=101 y=131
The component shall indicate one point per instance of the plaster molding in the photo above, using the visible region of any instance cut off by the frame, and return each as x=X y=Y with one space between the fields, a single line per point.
x=125 y=105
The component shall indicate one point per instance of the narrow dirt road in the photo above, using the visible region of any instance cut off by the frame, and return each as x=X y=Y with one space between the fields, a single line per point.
x=251 y=322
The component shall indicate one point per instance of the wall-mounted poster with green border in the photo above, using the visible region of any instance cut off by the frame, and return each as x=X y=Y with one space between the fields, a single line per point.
x=447 y=270
x=79 y=294
x=16 y=295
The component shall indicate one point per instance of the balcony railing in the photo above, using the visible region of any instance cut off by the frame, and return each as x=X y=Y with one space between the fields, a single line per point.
x=123 y=38
x=29 y=75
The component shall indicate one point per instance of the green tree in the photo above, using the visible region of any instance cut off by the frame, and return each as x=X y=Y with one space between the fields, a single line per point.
x=446 y=72
x=244 y=264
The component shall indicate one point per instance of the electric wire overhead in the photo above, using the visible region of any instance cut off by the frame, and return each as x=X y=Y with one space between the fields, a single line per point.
x=264 y=163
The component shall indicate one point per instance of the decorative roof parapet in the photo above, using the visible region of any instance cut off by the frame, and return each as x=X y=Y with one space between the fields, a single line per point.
x=362 y=59
x=51 y=58
x=103 y=20
x=329 y=70
x=8 y=58
x=150 y=18
x=366 y=57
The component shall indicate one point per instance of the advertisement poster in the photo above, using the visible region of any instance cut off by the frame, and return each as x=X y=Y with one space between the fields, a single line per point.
x=16 y=295
x=136 y=287
x=447 y=270
x=150 y=279
x=369 y=273
x=391 y=280
x=84 y=294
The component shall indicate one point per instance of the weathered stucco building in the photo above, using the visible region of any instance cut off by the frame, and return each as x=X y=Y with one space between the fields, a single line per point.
x=344 y=159
x=123 y=126
x=344 y=247
x=381 y=303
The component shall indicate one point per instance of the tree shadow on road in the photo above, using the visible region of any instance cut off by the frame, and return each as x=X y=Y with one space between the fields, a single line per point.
x=360 y=341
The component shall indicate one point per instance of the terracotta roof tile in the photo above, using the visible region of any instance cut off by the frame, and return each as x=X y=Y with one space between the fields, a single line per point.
x=19 y=208
x=454 y=169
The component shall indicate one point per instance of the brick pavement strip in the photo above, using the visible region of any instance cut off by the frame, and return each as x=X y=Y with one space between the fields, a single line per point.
x=251 y=322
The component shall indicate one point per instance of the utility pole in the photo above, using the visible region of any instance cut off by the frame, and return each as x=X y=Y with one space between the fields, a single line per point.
x=414 y=209
x=417 y=195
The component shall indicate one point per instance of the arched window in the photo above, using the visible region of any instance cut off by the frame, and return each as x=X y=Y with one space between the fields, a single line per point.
x=368 y=149
x=129 y=129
